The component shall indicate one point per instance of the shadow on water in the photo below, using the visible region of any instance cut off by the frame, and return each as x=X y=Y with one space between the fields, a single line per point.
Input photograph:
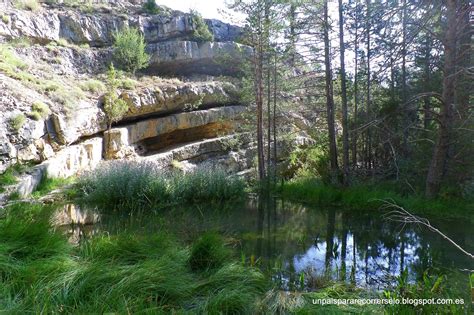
x=302 y=246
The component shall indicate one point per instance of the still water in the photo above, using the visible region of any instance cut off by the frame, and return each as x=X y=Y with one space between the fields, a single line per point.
x=298 y=245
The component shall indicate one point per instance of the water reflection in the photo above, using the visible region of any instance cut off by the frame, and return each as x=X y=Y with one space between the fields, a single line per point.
x=289 y=240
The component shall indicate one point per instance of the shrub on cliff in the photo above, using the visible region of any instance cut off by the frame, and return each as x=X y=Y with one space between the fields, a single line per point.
x=201 y=30
x=151 y=7
x=114 y=107
x=129 y=50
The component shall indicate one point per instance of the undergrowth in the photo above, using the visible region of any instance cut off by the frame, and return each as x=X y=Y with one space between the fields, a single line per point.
x=371 y=196
x=132 y=186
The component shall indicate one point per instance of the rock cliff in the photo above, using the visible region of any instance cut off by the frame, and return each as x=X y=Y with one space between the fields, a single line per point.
x=181 y=114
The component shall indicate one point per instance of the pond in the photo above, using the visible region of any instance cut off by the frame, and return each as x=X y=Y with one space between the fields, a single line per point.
x=299 y=245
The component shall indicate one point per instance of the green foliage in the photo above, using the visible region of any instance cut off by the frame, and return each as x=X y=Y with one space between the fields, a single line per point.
x=208 y=252
x=5 y=18
x=39 y=110
x=124 y=273
x=114 y=107
x=370 y=196
x=93 y=86
x=47 y=185
x=127 y=83
x=310 y=162
x=10 y=63
x=68 y=97
x=201 y=31
x=129 y=50
x=31 y=5
x=7 y=178
x=151 y=7
x=17 y=121
x=429 y=287
x=131 y=186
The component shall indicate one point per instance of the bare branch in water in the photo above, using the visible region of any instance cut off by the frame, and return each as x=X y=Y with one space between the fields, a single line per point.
x=399 y=214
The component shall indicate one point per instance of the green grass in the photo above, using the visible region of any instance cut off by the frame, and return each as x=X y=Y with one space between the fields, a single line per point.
x=7 y=178
x=123 y=273
x=31 y=5
x=17 y=121
x=132 y=186
x=208 y=253
x=5 y=18
x=93 y=86
x=39 y=111
x=47 y=185
x=370 y=196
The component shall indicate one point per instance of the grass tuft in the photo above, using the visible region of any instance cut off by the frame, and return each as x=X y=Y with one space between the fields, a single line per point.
x=93 y=86
x=31 y=5
x=208 y=252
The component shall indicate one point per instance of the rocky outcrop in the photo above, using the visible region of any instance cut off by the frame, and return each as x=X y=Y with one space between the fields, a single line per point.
x=66 y=163
x=181 y=123
x=75 y=159
x=216 y=152
x=88 y=120
x=187 y=57
x=160 y=100
x=97 y=28
x=150 y=128
x=119 y=140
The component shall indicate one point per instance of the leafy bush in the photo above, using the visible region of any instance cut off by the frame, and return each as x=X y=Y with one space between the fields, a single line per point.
x=114 y=107
x=68 y=96
x=127 y=83
x=310 y=162
x=201 y=31
x=129 y=50
x=17 y=121
x=151 y=7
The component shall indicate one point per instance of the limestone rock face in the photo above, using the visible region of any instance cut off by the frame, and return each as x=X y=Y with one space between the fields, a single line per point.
x=74 y=159
x=88 y=120
x=97 y=28
x=29 y=182
x=224 y=32
x=153 y=127
x=93 y=29
x=186 y=57
x=116 y=144
x=39 y=26
x=173 y=98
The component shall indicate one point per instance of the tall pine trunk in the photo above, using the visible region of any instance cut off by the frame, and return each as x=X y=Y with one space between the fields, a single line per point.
x=438 y=160
x=330 y=101
x=345 y=131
